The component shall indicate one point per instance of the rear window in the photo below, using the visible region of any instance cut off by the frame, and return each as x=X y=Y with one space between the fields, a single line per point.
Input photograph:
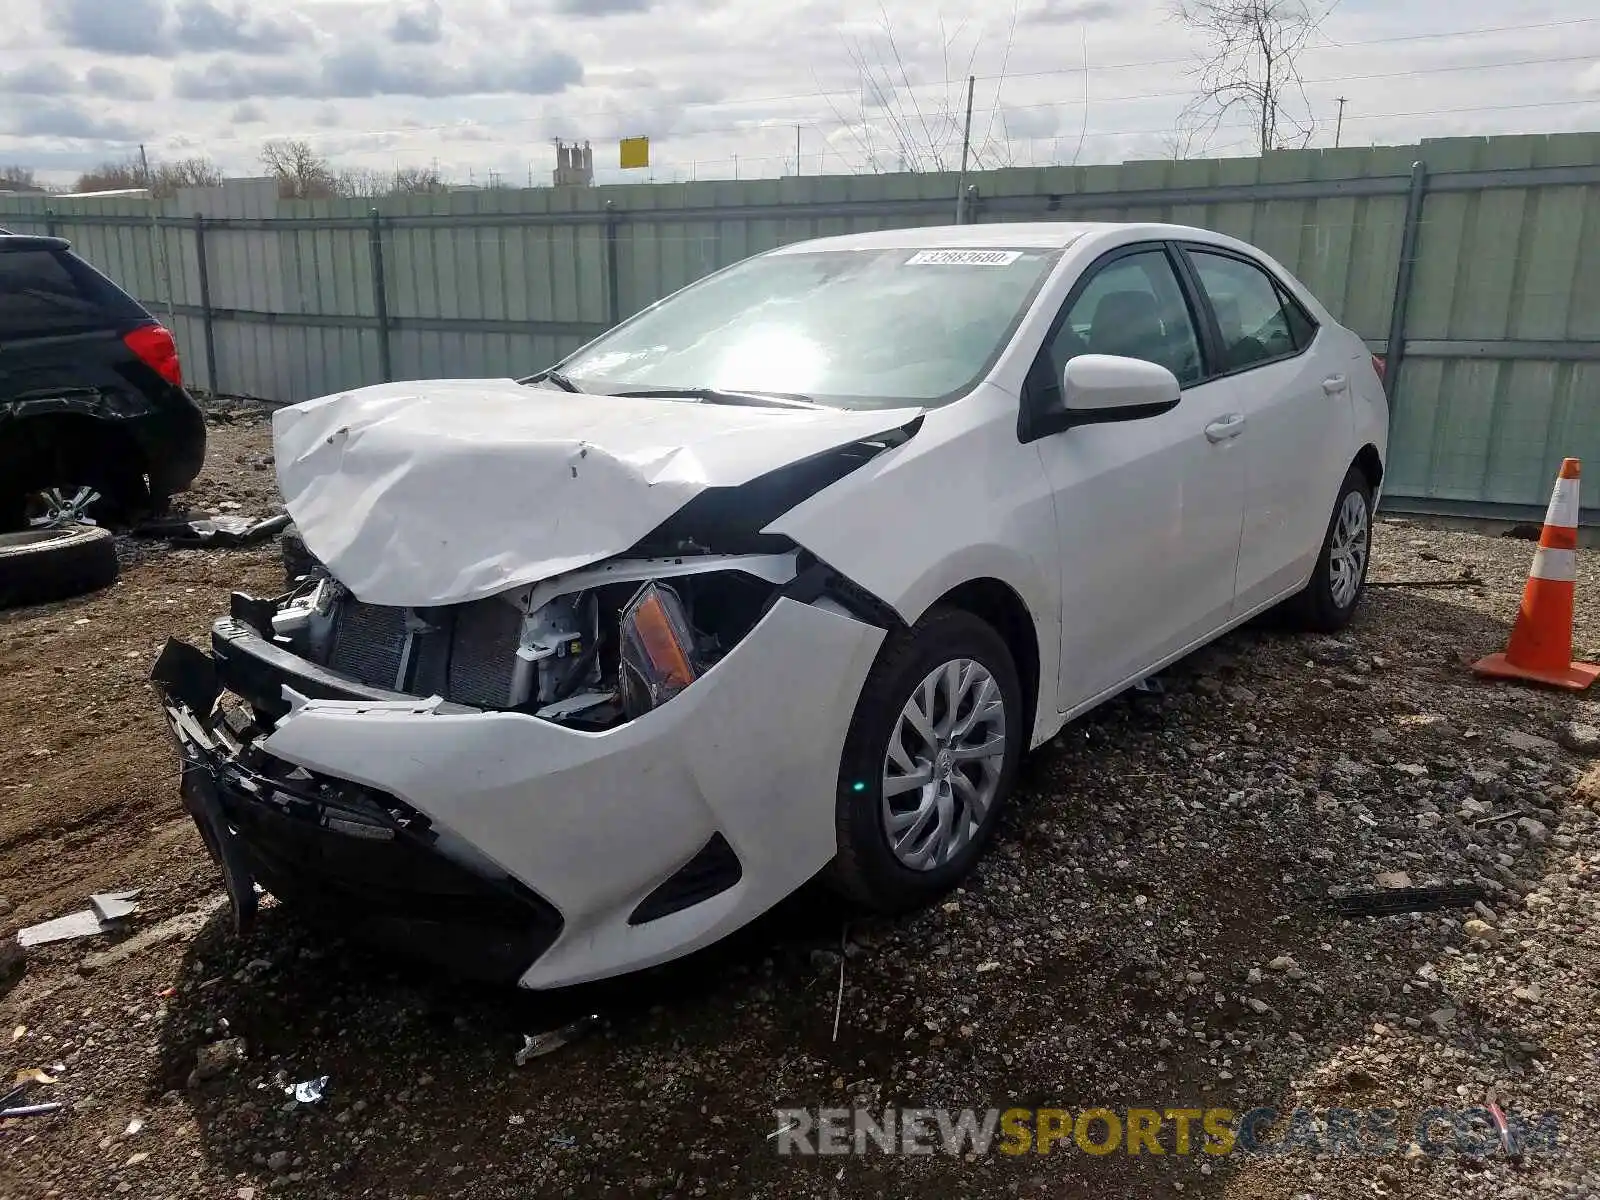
x=49 y=293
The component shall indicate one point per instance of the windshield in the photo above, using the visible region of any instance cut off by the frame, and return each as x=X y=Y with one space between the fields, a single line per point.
x=846 y=328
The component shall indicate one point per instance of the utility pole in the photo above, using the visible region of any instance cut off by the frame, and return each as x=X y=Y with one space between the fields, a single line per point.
x=966 y=145
x=797 y=149
x=144 y=165
x=1338 y=128
x=736 y=166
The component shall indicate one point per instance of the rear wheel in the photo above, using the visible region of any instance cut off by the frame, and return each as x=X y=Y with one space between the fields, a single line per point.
x=1329 y=601
x=113 y=499
x=929 y=760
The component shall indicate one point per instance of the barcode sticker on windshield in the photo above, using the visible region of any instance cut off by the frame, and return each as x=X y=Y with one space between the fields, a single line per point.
x=963 y=258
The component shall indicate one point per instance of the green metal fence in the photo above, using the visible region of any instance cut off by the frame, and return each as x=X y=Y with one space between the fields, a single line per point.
x=1473 y=263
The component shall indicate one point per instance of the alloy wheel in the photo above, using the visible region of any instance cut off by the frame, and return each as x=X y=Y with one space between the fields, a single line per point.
x=1347 y=552
x=54 y=507
x=942 y=768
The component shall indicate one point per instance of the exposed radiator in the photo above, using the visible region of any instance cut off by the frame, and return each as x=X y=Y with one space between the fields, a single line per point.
x=466 y=654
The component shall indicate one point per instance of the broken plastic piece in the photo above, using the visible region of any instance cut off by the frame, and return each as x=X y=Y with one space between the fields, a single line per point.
x=309 y=1091
x=31 y=1110
x=1508 y=1138
x=106 y=908
x=582 y=702
x=113 y=906
x=218 y=530
x=538 y=1045
x=657 y=648
x=1390 y=901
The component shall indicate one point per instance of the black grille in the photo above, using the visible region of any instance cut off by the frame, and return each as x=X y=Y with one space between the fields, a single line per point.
x=714 y=869
x=466 y=654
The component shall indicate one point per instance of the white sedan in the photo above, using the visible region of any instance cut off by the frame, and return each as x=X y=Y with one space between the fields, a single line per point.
x=780 y=577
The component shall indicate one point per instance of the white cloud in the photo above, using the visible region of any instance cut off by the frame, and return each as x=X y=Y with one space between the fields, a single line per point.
x=481 y=84
x=421 y=24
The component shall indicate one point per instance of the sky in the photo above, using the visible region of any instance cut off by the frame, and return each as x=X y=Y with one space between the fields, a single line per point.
x=728 y=88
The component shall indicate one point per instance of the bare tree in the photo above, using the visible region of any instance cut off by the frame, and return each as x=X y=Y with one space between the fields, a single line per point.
x=362 y=181
x=168 y=177
x=1183 y=142
x=1249 y=66
x=402 y=181
x=161 y=178
x=111 y=176
x=16 y=178
x=302 y=173
x=417 y=180
x=921 y=133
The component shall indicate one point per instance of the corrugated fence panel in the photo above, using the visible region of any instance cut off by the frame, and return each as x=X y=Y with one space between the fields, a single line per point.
x=1495 y=266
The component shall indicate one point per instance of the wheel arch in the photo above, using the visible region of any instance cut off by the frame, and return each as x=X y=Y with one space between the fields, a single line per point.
x=997 y=604
x=1370 y=463
x=41 y=446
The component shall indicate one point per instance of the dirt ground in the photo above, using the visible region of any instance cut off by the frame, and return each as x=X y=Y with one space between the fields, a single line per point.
x=1152 y=928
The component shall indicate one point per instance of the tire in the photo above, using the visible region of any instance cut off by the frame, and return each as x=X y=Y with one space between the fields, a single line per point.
x=297 y=560
x=55 y=564
x=1320 y=607
x=867 y=869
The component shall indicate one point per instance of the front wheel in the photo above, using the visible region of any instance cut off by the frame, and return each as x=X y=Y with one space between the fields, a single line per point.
x=1329 y=601
x=929 y=760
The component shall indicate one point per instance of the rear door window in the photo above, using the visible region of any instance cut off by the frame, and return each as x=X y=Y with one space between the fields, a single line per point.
x=1255 y=323
x=48 y=293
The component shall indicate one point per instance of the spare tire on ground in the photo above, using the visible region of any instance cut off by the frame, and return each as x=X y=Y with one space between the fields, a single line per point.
x=55 y=564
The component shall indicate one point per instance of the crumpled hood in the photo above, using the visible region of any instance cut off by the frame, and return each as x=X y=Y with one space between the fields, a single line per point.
x=445 y=491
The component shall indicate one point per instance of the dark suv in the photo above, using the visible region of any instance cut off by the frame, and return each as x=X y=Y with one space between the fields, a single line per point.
x=94 y=420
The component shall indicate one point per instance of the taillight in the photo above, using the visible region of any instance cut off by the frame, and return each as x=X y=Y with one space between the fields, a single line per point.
x=1379 y=366
x=156 y=349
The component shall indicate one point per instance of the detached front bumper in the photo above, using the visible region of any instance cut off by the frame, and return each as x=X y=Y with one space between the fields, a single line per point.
x=343 y=856
x=510 y=847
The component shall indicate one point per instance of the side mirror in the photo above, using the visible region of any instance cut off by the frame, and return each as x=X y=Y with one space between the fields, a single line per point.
x=1107 y=387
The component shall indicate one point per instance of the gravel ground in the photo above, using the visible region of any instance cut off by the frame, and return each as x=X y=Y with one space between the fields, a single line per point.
x=1152 y=928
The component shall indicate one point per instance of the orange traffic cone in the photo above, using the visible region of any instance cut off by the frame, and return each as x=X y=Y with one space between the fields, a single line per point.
x=1540 y=648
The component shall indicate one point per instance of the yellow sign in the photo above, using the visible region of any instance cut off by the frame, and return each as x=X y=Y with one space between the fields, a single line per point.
x=635 y=152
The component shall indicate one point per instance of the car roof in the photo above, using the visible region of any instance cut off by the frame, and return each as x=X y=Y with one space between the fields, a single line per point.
x=28 y=241
x=1050 y=235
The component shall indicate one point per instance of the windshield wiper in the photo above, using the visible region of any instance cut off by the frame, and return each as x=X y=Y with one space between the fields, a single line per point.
x=726 y=396
x=553 y=376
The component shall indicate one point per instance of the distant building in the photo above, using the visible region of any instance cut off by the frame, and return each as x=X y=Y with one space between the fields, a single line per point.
x=574 y=165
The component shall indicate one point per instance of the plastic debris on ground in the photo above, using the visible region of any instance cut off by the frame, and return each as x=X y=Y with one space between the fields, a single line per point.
x=106 y=909
x=26 y=1081
x=113 y=906
x=31 y=1110
x=308 y=1091
x=221 y=530
x=538 y=1045
x=1390 y=901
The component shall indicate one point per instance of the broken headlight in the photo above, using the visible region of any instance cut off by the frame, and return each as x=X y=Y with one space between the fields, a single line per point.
x=657 y=651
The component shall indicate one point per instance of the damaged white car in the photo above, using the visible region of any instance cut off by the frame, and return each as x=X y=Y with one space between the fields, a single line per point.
x=781 y=576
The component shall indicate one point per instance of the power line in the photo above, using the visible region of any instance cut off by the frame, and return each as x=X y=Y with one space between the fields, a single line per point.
x=1425 y=114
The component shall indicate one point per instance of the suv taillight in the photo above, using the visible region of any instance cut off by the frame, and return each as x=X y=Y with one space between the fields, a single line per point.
x=156 y=349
